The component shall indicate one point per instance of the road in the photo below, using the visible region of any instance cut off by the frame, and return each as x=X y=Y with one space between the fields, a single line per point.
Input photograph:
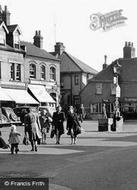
x=99 y=160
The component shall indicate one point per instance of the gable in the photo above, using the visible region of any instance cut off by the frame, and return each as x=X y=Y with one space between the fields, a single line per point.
x=68 y=65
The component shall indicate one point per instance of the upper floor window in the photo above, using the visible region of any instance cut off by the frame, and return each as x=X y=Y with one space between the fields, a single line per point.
x=99 y=88
x=52 y=73
x=15 y=72
x=0 y=69
x=43 y=72
x=18 y=72
x=16 y=40
x=12 y=71
x=32 y=71
x=76 y=79
x=2 y=37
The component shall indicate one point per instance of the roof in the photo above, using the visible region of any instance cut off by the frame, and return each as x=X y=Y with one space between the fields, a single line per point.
x=127 y=71
x=32 y=50
x=11 y=28
x=83 y=66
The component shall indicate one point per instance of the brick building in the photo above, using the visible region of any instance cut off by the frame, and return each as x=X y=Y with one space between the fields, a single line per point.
x=102 y=87
x=74 y=76
x=26 y=66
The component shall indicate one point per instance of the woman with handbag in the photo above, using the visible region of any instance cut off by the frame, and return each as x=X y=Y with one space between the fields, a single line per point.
x=73 y=125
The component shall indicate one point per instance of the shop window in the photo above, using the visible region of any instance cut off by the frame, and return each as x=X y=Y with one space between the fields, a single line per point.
x=43 y=72
x=99 y=88
x=76 y=79
x=32 y=71
x=52 y=74
x=113 y=89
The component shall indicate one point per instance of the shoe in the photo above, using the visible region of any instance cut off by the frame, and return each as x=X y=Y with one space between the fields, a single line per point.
x=32 y=149
x=17 y=150
x=36 y=149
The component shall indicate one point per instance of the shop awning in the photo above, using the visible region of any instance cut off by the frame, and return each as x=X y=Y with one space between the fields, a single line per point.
x=20 y=96
x=41 y=94
x=4 y=96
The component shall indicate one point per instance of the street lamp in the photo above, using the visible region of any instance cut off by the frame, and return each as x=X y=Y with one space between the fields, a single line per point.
x=116 y=70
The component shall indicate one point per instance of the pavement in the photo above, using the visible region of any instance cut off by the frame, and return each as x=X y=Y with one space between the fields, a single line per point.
x=51 y=159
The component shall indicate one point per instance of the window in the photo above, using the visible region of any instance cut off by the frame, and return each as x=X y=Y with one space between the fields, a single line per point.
x=18 y=72
x=96 y=108
x=76 y=79
x=113 y=89
x=32 y=71
x=0 y=69
x=16 y=40
x=98 y=88
x=52 y=73
x=2 y=37
x=12 y=71
x=15 y=72
x=43 y=72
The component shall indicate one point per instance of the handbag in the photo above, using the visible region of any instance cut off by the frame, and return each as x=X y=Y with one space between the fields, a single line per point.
x=52 y=133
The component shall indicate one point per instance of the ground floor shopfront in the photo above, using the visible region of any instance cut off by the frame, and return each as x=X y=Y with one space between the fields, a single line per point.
x=33 y=96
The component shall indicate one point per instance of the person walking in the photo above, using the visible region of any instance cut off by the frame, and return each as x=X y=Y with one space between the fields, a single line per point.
x=33 y=128
x=14 y=139
x=58 y=123
x=45 y=122
x=73 y=125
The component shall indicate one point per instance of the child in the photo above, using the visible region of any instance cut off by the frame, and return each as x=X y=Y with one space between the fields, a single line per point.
x=3 y=143
x=14 y=139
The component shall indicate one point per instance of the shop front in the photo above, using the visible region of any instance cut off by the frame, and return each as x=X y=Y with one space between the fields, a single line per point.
x=129 y=108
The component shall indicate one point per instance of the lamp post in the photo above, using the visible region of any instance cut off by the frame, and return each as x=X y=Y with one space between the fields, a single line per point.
x=116 y=70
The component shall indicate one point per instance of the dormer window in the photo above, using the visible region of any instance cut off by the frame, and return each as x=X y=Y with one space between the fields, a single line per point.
x=2 y=37
x=16 y=40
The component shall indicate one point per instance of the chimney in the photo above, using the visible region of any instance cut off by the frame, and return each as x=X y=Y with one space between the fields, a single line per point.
x=38 y=39
x=59 y=48
x=6 y=16
x=128 y=50
x=105 y=63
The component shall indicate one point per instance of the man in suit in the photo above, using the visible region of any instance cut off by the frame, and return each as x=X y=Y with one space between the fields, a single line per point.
x=58 y=122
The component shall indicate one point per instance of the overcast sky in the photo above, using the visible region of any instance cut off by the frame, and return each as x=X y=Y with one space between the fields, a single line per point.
x=72 y=20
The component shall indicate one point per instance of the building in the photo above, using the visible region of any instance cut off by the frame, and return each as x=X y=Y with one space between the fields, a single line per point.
x=74 y=76
x=29 y=75
x=42 y=71
x=102 y=86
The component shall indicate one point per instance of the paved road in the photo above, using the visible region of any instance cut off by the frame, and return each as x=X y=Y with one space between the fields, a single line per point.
x=99 y=160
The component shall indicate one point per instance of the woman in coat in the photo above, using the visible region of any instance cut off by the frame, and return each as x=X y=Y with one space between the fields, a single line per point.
x=73 y=125
x=32 y=126
x=45 y=122
x=58 y=123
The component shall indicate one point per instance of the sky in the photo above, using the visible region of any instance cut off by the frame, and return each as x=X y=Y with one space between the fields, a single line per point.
x=68 y=21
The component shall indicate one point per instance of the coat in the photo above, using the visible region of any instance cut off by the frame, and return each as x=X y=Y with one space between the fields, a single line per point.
x=32 y=125
x=58 y=122
x=73 y=125
x=14 y=137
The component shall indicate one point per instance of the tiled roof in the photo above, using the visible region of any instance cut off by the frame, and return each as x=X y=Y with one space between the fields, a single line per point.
x=84 y=67
x=11 y=28
x=32 y=50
